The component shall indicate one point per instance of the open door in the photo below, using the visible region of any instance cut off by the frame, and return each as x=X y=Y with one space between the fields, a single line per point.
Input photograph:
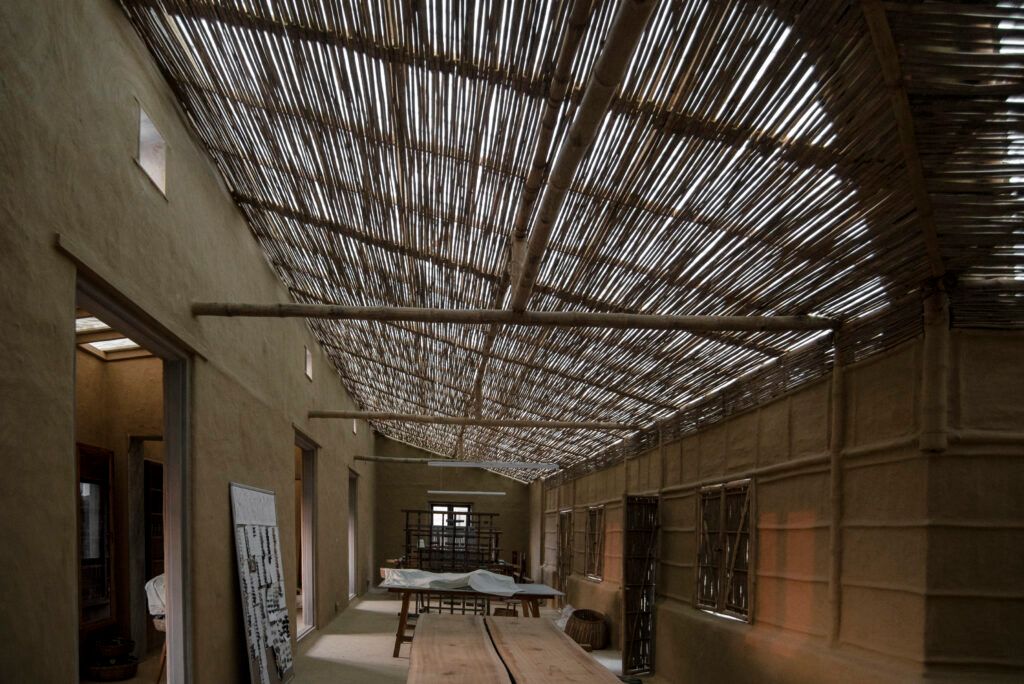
x=353 y=535
x=564 y=567
x=133 y=521
x=640 y=563
x=305 y=514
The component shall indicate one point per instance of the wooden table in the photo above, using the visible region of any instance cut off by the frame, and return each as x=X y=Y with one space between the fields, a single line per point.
x=464 y=649
x=529 y=594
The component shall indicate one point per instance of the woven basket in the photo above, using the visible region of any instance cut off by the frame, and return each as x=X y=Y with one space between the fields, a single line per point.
x=587 y=627
x=116 y=647
x=113 y=672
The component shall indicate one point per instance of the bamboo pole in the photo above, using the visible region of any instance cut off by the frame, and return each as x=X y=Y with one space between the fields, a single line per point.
x=465 y=420
x=889 y=61
x=385 y=459
x=625 y=32
x=539 y=166
x=561 y=319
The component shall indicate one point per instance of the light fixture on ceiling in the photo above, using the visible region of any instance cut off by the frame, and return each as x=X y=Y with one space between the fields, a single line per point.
x=515 y=465
x=118 y=344
x=445 y=492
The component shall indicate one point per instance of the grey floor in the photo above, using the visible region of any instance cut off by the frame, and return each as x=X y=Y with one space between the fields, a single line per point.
x=356 y=646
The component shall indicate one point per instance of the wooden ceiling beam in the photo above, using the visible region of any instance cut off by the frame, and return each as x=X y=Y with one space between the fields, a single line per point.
x=562 y=319
x=468 y=420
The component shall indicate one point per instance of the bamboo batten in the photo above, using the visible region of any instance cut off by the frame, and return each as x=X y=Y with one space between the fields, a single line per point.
x=744 y=162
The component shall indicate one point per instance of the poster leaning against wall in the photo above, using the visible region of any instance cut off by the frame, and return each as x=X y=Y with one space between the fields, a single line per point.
x=261 y=579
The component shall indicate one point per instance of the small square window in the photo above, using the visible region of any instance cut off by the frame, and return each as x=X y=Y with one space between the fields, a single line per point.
x=309 y=363
x=152 y=152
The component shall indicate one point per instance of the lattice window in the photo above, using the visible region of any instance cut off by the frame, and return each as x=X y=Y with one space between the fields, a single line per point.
x=725 y=549
x=594 y=557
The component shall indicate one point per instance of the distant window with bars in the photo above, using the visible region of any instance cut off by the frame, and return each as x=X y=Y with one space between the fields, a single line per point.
x=724 y=549
x=594 y=556
x=450 y=514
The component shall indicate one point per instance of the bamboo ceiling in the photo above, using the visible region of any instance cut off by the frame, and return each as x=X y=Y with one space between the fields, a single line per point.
x=750 y=162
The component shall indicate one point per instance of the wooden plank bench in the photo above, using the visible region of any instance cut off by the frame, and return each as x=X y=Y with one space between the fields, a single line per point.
x=457 y=649
x=537 y=652
x=454 y=649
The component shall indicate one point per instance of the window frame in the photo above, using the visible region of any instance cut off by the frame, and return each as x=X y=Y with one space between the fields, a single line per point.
x=593 y=548
x=723 y=540
x=450 y=513
x=154 y=168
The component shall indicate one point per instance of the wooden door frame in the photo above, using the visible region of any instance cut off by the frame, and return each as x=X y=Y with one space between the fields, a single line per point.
x=106 y=302
x=353 y=534
x=309 y=450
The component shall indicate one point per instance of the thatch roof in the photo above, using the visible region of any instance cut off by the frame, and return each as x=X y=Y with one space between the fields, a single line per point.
x=753 y=160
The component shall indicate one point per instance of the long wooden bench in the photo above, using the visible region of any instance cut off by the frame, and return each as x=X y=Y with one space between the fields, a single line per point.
x=454 y=649
x=537 y=652
x=472 y=649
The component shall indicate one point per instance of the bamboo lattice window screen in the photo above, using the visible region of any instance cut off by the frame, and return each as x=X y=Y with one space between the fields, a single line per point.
x=725 y=549
x=594 y=556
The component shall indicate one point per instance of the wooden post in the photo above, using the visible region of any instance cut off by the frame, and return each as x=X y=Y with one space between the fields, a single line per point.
x=935 y=373
x=837 y=417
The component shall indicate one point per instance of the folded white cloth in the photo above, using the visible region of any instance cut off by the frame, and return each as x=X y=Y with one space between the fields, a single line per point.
x=156 y=596
x=482 y=581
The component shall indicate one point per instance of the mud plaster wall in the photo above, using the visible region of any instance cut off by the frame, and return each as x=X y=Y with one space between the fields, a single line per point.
x=929 y=573
x=72 y=75
x=405 y=485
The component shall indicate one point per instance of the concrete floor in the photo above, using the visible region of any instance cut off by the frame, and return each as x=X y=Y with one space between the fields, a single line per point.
x=356 y=647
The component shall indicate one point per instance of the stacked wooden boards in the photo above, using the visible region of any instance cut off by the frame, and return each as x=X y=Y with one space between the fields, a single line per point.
x=498 y=650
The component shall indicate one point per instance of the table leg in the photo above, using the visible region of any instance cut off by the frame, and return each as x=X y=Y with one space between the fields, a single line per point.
x=531 y=604
x=402 y=619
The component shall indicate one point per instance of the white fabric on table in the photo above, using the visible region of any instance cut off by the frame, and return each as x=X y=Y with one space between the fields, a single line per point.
x=482 y=581
x=156 y=595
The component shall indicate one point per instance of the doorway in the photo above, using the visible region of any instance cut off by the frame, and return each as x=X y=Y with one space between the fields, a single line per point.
x=305 y=534
x=564 y=566
x=131 y=429
x=640 y=560
x=353 y=534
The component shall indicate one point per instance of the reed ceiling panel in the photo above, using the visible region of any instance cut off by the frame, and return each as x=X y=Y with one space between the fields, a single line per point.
x=749 y=164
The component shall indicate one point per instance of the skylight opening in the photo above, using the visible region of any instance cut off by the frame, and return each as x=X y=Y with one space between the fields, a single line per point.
x=119 y=344
x=88 y=324
x=152 y=152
